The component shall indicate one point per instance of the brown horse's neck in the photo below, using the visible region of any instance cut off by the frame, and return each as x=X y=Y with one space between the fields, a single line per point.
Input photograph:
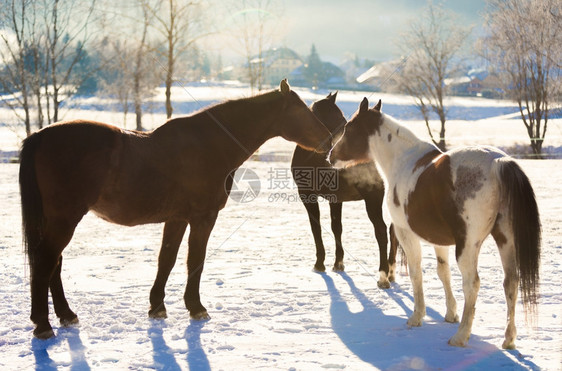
x=250 y=122
x=235 y=128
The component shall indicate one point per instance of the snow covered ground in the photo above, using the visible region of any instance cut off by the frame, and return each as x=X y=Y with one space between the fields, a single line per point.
x=269 y=309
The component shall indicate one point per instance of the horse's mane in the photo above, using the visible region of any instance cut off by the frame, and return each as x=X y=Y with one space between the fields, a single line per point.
x=400 y=130
x=213 y=111
x=242 y=102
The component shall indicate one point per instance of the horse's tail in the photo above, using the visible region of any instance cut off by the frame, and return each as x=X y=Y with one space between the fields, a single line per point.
x=31 y=202
x=526 y=225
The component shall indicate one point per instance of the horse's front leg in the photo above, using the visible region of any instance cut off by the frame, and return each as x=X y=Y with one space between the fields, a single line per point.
x=337 y=229
x=313 y=211
x=374 y=211
x=171 y=240
x=412 y=248
x=201 y=227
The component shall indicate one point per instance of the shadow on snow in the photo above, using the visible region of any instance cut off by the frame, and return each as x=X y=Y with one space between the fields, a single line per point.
x=76 y=349
x=386 y=342
x=163 y=355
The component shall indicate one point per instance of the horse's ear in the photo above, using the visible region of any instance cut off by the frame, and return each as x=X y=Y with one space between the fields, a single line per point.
x=378 y=106
x=332 y=97
x=284 y=87
x=364 y=106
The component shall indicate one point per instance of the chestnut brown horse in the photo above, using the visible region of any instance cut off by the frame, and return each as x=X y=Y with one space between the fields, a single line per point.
x=361 y=182
x=177 y=174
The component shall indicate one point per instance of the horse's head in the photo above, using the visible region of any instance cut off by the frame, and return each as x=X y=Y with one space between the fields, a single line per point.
x=353 y=146
x=300 y=124
x=330 y=114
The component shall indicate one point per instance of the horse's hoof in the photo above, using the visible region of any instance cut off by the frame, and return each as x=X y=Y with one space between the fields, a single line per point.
x=158 y=311
x=458 y=341
x=201 y=316
x=508 y=344
x=383 y=284
x=197 y=311
x=43 y=333
x=158 y=314
x=454 y=318
x=320 y=268
x=338 y=267
x=67 y=322
x=392 y=276
x=414 y=322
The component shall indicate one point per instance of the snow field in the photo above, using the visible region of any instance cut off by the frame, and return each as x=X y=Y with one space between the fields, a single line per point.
x=269 y=309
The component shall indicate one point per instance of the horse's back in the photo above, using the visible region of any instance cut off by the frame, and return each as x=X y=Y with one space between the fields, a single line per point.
x=475 y=156
x=72 y=161
x=456 y=191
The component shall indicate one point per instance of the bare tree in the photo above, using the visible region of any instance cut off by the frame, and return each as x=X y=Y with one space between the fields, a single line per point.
x=67 y=33
x=116 y=84
x=524 y=42
x=431 y=46
x=254 y=28
x=38 y=62
x=181 y=24
x=130 y=66
x=140 y=70
x=15 y=78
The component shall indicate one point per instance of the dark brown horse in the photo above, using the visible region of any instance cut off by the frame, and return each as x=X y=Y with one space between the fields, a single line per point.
x=177 y=174
x=315 y=178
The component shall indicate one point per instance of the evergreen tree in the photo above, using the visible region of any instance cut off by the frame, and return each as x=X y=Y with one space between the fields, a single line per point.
x=314 y=71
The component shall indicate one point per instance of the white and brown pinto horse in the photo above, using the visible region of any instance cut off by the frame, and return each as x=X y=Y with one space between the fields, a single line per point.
x=454 y=198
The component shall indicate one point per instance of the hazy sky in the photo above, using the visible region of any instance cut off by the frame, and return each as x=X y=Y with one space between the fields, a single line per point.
x=364 y=27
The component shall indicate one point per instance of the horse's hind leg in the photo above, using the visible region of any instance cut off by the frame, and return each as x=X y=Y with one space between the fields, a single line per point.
x=44 y=265
x=337 y=229
x=373 y=204
x=42 y=268
x=313 y=212
x=66 y=316
x=444 y=273
x=392 y=254
x=468 y=263
x=503 y=235
x=201 y=227
x=171 y=240
x=411 y=245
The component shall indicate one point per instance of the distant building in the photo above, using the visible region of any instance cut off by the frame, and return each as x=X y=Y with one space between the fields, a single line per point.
x=474 y=86
x=481 y=84
x=458 y=85
x=334 y=76
x=279 y=63
x=377 y=76
x=353 y=66
x=477 y=82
